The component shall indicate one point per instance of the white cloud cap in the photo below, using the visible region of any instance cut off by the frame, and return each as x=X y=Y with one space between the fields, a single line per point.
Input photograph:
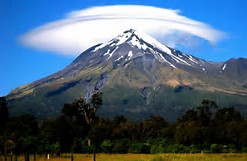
x=82 y=29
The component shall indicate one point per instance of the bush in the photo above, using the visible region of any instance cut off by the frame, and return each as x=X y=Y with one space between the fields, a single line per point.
x=55 y=148
x=120 y=146
x=177 y=148
x=244 y=150
x=194 y=149
x=156 y=149
x=172 y=148
x=139 y=148
x=184 y=149
x=214 y=148
x=232 y=149
x=106 y=146
x=159 y=145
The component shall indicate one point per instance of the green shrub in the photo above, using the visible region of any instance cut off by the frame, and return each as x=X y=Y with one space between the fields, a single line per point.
x=158 y=145
x=55 y=148
x=172 y=148
x=231 y=148
x=106 y=146
x=156 y=149
x=120 y=146
x=244 y=150
x=194 y=149
x=214 y=148
x=139 y=148
x=177 y=148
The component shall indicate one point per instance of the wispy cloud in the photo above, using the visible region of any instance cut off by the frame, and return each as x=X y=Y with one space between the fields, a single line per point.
x=81 y=29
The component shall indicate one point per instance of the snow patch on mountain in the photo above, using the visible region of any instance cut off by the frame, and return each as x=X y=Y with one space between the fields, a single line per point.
x=130 y=54
x=108 y=52
x=224 y=67
x=99 y=47
x=110 y=55
x=123 y=38
x=167 y=61
x=135 y=42
x=153 y=42
x=192 y=59
x=119 y=58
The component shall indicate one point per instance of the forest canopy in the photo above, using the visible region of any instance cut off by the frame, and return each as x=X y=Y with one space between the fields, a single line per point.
x=206 y=127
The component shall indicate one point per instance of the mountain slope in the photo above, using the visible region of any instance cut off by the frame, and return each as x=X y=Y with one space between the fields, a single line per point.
x=139 y=76
x=236 y=69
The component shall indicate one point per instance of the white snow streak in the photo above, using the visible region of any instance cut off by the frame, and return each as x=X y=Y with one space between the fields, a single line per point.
x=167 y=61
x=224 y=67
x=110 y=55
x=122 y=38
x=135 y=42
x=130 y=54
x=192 y=59
x=121 y=57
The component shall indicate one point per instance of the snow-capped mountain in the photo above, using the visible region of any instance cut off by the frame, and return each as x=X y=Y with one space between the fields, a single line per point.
x=146 y=45
x=138 y=76
x=132 y=44
x=160 y=52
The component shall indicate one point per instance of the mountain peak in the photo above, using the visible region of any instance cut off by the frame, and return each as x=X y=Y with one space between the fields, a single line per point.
x=130 y=31
x=143 y=38
x=132 y=44
x=135 y=38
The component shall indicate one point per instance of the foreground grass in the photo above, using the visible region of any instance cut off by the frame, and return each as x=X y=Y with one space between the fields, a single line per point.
x=148 y=157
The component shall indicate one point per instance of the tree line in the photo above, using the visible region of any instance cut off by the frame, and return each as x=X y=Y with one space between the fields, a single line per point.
x=205 y=128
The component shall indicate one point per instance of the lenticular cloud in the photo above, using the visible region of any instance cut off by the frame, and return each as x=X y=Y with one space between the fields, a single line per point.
x=82 y=29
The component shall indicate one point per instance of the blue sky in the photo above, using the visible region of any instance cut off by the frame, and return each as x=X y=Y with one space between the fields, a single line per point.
x=21 y=64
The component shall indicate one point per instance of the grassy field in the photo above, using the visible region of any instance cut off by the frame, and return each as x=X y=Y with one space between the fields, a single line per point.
x=145 y=157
